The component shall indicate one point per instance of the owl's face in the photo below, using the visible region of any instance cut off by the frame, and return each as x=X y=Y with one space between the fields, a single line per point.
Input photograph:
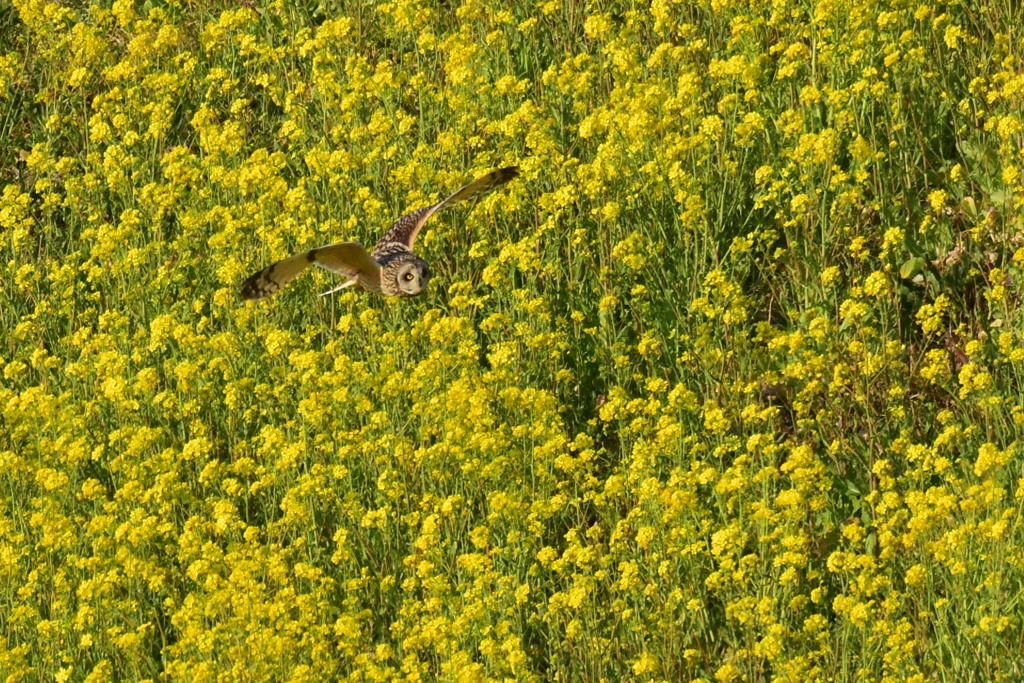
x=405 y=277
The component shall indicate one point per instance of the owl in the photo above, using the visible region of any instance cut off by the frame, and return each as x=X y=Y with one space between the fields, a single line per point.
x=392 y=269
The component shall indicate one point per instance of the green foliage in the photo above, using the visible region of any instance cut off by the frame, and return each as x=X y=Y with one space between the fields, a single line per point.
x=724 y=387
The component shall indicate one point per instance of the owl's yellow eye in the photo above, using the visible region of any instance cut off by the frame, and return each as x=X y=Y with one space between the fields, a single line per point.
x=407 y=277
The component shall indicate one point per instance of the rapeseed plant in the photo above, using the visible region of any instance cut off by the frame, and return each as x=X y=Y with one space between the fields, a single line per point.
x=725 y=389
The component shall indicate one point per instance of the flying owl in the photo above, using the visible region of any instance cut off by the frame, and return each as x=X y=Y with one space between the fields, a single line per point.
x=391 y=269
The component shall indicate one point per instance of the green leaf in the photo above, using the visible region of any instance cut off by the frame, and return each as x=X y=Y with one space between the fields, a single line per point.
x=969 y=207
x=912 y=267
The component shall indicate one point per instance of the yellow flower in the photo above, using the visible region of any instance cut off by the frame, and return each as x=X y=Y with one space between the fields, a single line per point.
x=876 y=284
x=938 y=199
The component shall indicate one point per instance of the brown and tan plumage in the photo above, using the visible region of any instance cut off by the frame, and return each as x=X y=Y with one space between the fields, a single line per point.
x=392 y=269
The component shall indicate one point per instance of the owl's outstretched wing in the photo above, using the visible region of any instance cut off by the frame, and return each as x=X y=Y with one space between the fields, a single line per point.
x=345 y=258
x=402 y=234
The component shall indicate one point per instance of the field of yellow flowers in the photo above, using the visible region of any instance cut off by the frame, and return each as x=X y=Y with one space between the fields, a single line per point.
x=727 y=386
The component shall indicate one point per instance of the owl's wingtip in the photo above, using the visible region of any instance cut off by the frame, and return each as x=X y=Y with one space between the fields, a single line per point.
x=250 y=289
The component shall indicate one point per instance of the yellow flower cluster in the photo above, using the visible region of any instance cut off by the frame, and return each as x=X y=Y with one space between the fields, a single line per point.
x=726 y=387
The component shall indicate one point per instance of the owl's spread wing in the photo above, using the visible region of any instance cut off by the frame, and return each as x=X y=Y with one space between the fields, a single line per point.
x=402 y=235
x=351 y=259
x=345 y=258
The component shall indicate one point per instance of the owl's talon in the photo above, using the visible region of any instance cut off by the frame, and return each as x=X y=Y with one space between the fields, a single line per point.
x=347 y=283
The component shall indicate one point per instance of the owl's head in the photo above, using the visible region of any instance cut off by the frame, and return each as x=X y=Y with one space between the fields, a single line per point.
x=406 y=275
